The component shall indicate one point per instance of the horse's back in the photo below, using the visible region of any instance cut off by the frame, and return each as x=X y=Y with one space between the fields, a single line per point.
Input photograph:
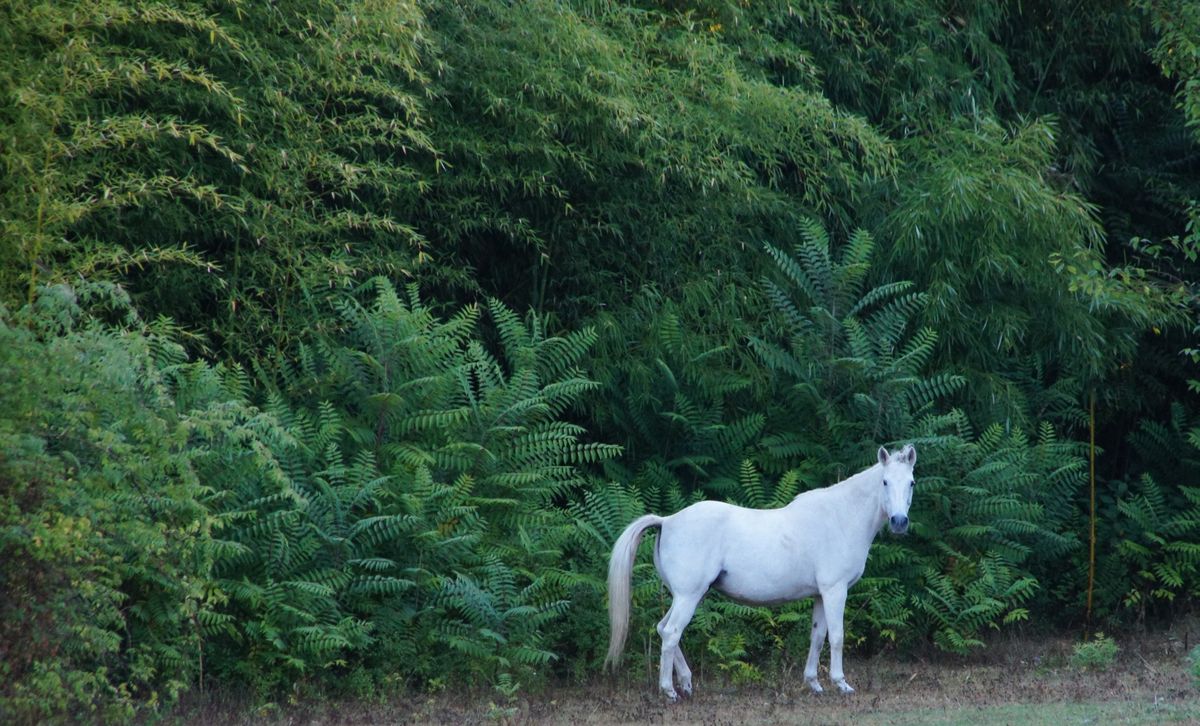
x=709 y=524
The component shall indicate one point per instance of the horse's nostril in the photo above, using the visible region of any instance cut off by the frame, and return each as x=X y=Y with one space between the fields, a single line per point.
x=899 y=522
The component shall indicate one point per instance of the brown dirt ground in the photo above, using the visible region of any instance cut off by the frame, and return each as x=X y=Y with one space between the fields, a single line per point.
x=1150 y=672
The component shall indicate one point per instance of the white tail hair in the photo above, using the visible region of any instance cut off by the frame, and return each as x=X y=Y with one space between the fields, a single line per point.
x=620 y=569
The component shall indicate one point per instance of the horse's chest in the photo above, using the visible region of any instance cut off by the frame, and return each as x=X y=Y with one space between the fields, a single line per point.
x=851 y=569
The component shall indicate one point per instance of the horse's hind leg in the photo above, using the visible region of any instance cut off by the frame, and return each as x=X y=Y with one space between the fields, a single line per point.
x=682 y=670
x=679 y=663
x=819 y=628
x=683 y=606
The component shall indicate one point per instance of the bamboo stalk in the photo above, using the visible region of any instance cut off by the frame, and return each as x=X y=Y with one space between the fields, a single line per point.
x=1092 y=517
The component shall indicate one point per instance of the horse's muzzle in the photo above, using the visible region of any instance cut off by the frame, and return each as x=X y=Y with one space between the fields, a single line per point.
x=899 y=524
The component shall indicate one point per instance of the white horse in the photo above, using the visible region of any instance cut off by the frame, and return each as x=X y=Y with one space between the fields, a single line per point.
x=816 y=546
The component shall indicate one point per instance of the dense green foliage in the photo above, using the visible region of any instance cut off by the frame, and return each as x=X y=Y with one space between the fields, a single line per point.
x=444 y=294
x=106 y=539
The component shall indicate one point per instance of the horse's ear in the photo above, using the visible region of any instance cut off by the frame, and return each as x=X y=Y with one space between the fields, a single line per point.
x=910 y=454
x=883 y=456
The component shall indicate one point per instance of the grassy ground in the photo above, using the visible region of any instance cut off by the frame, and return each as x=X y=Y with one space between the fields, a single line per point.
x=1015 y=681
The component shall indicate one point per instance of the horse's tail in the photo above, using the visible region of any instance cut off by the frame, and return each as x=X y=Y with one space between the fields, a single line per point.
x=620 y=569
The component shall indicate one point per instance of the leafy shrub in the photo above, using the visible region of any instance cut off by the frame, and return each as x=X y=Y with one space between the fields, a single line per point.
x=1157 y=527
x=1096 y=654
x=987 y=508
x=105 y=549
x=403 y=520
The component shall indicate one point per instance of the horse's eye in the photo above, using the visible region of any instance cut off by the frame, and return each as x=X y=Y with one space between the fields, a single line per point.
x=885 y=482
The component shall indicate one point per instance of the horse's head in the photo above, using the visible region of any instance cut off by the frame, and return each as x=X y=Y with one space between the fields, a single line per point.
x=898 y=485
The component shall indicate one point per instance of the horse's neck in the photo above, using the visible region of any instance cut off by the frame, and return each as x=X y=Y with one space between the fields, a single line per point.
x=860 y=498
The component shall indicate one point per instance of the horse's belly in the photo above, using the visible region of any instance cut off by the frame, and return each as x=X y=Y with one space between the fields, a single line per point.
x=764 y=591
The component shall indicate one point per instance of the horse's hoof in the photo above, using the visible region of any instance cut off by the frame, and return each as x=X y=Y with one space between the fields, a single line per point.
x=686 y=688
x=672 y=696
x=844 y=687
x=815 y=685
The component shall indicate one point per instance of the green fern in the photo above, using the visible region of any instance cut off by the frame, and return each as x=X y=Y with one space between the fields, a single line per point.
x=417 y=455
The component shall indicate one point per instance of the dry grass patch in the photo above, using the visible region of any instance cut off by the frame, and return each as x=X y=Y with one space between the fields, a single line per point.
x=1016 y=680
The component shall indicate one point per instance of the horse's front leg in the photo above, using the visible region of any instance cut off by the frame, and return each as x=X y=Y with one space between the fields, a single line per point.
x=835 y=607
x=814 y=646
